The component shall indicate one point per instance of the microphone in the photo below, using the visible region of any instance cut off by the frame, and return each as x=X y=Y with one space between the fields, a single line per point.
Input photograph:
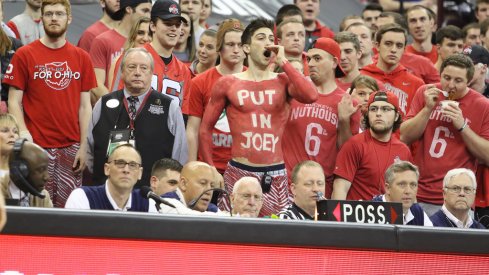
x=147 y=193
x=320 y=196
x=193 y=202
x=267 y=53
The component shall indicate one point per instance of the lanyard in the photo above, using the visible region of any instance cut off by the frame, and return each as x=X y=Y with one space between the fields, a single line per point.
x=131 y=121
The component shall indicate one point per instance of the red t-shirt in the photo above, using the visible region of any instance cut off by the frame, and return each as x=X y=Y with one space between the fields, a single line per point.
x=52 y=80
x=441 y=147
x=399 y=81
x=482 y=194
x=363 y=160
x=311 y=132
x=90 y=33
x=343 y=85
x=257 y=113
x=421 y=67
x=105 y=48
x=431 y=55
x=200 y=94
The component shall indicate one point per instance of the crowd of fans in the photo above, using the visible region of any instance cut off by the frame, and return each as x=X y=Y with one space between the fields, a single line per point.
x=251 y=121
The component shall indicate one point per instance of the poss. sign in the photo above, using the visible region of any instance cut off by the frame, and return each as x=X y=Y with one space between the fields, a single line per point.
x=360 y=211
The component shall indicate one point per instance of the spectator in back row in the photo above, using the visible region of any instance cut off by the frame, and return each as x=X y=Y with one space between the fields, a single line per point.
x=364 y=35
x=110 y=44
x=472 y=34
x=28 y=26
x=107 y=22
x=314 y=30
x=449 y=41
x=391 y=42
x=421 y=24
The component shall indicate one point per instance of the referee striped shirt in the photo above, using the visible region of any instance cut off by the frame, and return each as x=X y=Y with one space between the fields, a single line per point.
x=294 y=212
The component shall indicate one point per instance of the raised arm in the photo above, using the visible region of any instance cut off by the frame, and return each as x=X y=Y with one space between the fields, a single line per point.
x=413 y=128
x=299 y=88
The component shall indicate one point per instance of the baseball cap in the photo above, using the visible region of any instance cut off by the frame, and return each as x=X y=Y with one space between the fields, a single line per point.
x=127 y=3
x=477 y=53
x=386 y=96
x=330 y=46
x=167 y=9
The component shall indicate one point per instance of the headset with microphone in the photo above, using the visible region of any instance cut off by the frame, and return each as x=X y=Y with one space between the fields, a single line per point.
x=193 y=202
x=19 y=171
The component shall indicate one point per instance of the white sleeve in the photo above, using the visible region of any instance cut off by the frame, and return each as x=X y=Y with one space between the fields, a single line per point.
x=427 y=221
x=77 y=200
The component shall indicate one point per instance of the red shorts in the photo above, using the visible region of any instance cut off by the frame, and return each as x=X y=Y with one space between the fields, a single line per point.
x=274 y=200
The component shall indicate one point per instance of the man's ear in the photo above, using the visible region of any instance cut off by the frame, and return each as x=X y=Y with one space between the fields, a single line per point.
x=246 y=48
x=152 y=182
x=183 y=184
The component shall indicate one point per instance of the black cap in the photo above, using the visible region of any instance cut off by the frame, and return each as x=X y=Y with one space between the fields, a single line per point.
x=478 y=54
x=127 y=3
x=167 y=9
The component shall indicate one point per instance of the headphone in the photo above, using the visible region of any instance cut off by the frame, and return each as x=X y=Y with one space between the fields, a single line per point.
x=19 y=171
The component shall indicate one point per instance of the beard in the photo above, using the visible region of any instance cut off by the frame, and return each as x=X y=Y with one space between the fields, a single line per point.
x=111 y=13
x=381 y=130
x=53 y=34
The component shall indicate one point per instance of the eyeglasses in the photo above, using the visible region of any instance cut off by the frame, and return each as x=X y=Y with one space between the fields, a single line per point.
x=51 y=14
x=120 y=163
x=456 y=189
x=248 y=196
x=384 y=109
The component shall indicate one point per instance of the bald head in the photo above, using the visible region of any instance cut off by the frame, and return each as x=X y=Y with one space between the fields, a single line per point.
x=197 y=177
x=37 y=160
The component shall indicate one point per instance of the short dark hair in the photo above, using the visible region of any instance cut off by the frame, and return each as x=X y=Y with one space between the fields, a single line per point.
x=253 y=27
x=478 y=2
x=460 y=61
x=430 y=12
x=451 y=32
x=287 y=10
x=466 y=28
x=484 y=26
x=348 y=17
x=373 y=7
x=160 y=166
x=390 y=28
x=284 y=22
x=398 y=18
x=399 y=167
x=343 y=37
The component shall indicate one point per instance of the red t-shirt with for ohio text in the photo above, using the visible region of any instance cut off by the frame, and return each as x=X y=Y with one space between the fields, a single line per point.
x=52 y=80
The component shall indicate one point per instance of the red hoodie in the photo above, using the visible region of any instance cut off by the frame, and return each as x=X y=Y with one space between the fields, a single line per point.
x=399 y=81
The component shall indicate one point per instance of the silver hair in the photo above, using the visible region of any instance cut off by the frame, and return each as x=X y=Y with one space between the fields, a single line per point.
x=142 y=50
x=244 y=180
x=458 y=171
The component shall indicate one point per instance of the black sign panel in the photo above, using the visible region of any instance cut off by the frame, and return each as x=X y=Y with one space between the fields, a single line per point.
x=360 y=211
